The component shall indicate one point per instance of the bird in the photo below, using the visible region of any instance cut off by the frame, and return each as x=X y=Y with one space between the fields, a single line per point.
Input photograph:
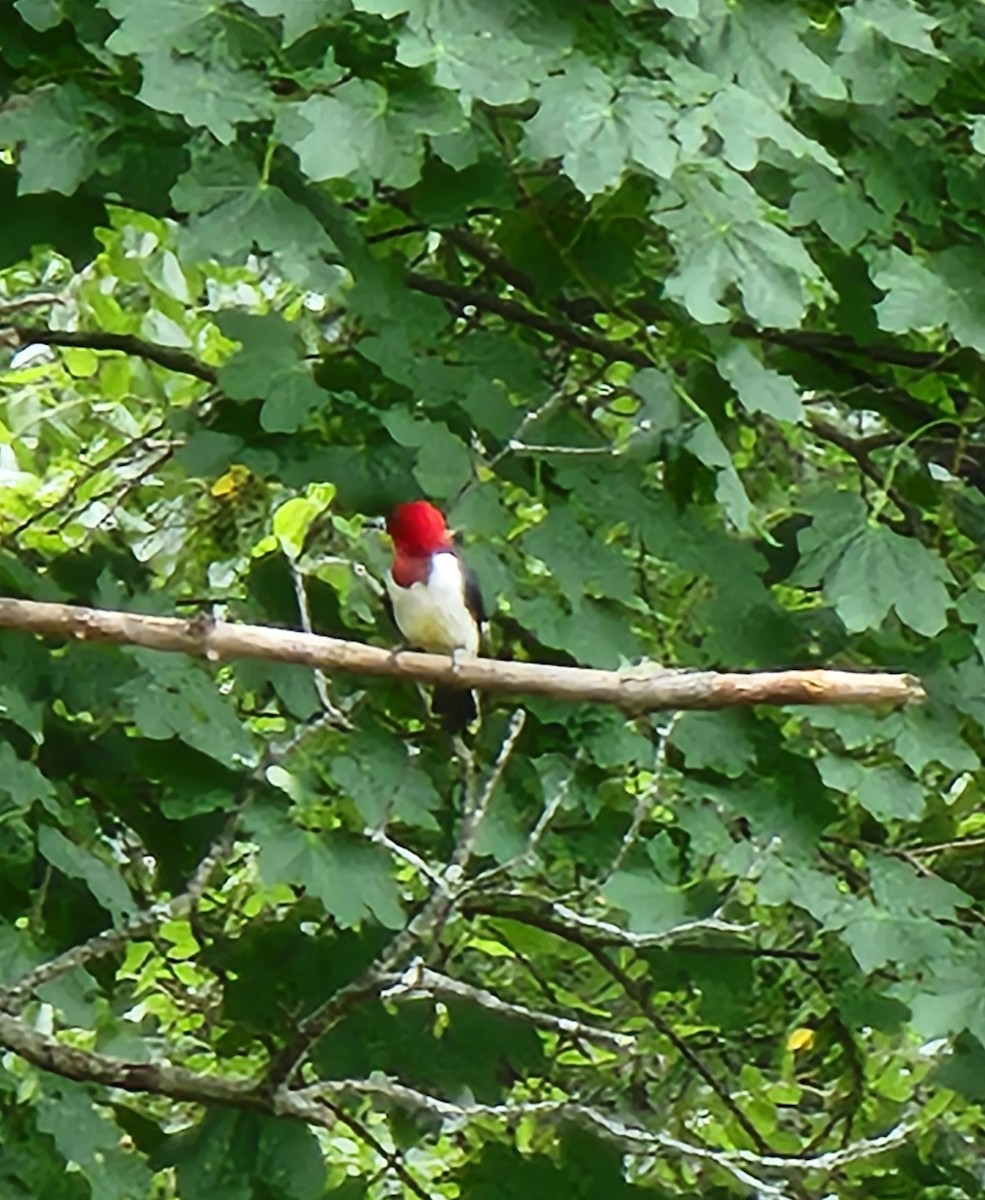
x=434 y=599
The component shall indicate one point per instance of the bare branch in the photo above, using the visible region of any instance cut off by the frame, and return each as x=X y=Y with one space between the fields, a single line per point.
x=14 y=997
x=29 y=300
x=959 y=844
x=526 y=855
x=463 y=296
x=631 y=1138
x=125 y=343
x=645 y=800
x=592 y=933
x=157 y=1078
x=334 y=715
x=418 y=980
x=637 y=690
x=434 y=875
x=315 y=1105
x=479 y=806
x=362 y=1131
x=419 y=930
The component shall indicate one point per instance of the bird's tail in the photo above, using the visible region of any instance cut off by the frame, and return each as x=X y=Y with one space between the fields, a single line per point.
x=456 y=707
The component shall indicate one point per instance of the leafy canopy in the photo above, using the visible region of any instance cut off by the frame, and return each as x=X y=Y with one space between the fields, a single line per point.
x=676 y=308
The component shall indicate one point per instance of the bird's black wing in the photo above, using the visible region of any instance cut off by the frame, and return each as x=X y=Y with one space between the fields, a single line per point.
x=473 y=594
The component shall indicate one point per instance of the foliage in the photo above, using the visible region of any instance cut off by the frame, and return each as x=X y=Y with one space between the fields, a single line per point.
x=676 y=307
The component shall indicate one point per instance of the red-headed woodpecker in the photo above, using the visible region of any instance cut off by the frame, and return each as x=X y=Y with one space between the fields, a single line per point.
x=434 y=599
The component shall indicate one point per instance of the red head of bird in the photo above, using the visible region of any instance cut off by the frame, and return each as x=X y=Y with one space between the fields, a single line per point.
x=418 y=530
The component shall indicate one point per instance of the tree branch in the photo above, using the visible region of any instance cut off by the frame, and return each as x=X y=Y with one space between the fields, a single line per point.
x=419 y=980
x=126 y=343
x=564 y=922
x=15 y=996
x=314 y=1106
x=613 y=350
x=636 y=689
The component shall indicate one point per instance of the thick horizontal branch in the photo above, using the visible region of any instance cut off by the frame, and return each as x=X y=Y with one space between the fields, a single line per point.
x=314 y=1104
x=636 y=690
x=160 y=1079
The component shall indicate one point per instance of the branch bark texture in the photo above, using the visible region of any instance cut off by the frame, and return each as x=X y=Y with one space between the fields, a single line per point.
x=641 y=689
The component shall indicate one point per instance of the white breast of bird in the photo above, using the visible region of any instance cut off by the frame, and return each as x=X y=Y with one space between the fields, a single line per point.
x=432 y=615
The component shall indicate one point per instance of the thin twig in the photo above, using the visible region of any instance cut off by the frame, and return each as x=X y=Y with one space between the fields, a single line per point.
x=645 y=800
x=335 y=715
x=15 y=997
x=526 y=855
x=32 y=300
x=434 y=876
x=392 y=1161
x=474 y=812
x=90 y=471
x=975 y=843
x=419 y=980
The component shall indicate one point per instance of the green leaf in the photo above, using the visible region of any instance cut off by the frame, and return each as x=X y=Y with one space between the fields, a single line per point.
x=888 y=794
x=361 y=130
x=209 y=95
x=923 y=737
x=941 y=294
x=178 y=698
x=443 y=465
x=104 y=881
x=916 y=297
x=215 y=1159
x=951 y=999
x=21 y=784
x=765 y=47
x=837 y=206
x=647 y=120
x=349 y=877
x=721 y=741
x=963 y=1070
x=297 y=16
x=91 y=1142
x=147 y=25
x=726 y=236
x=680 y=8
x=747 y=123
x=579 y=563
x=576 y=122
x=481 y=50
x=289 y=1160
x=705 y=444
x=268 y=367
x=661 y=409
x=880 y=570
x=234 y=211
x=899 y=21
x=293 y=519
x=971 y=609
x=759 y=388
x=650 y=905
x=59 y=134
x=382 y=780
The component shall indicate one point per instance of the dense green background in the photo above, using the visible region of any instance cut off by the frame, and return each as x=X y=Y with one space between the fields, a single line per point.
x=678 y=309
